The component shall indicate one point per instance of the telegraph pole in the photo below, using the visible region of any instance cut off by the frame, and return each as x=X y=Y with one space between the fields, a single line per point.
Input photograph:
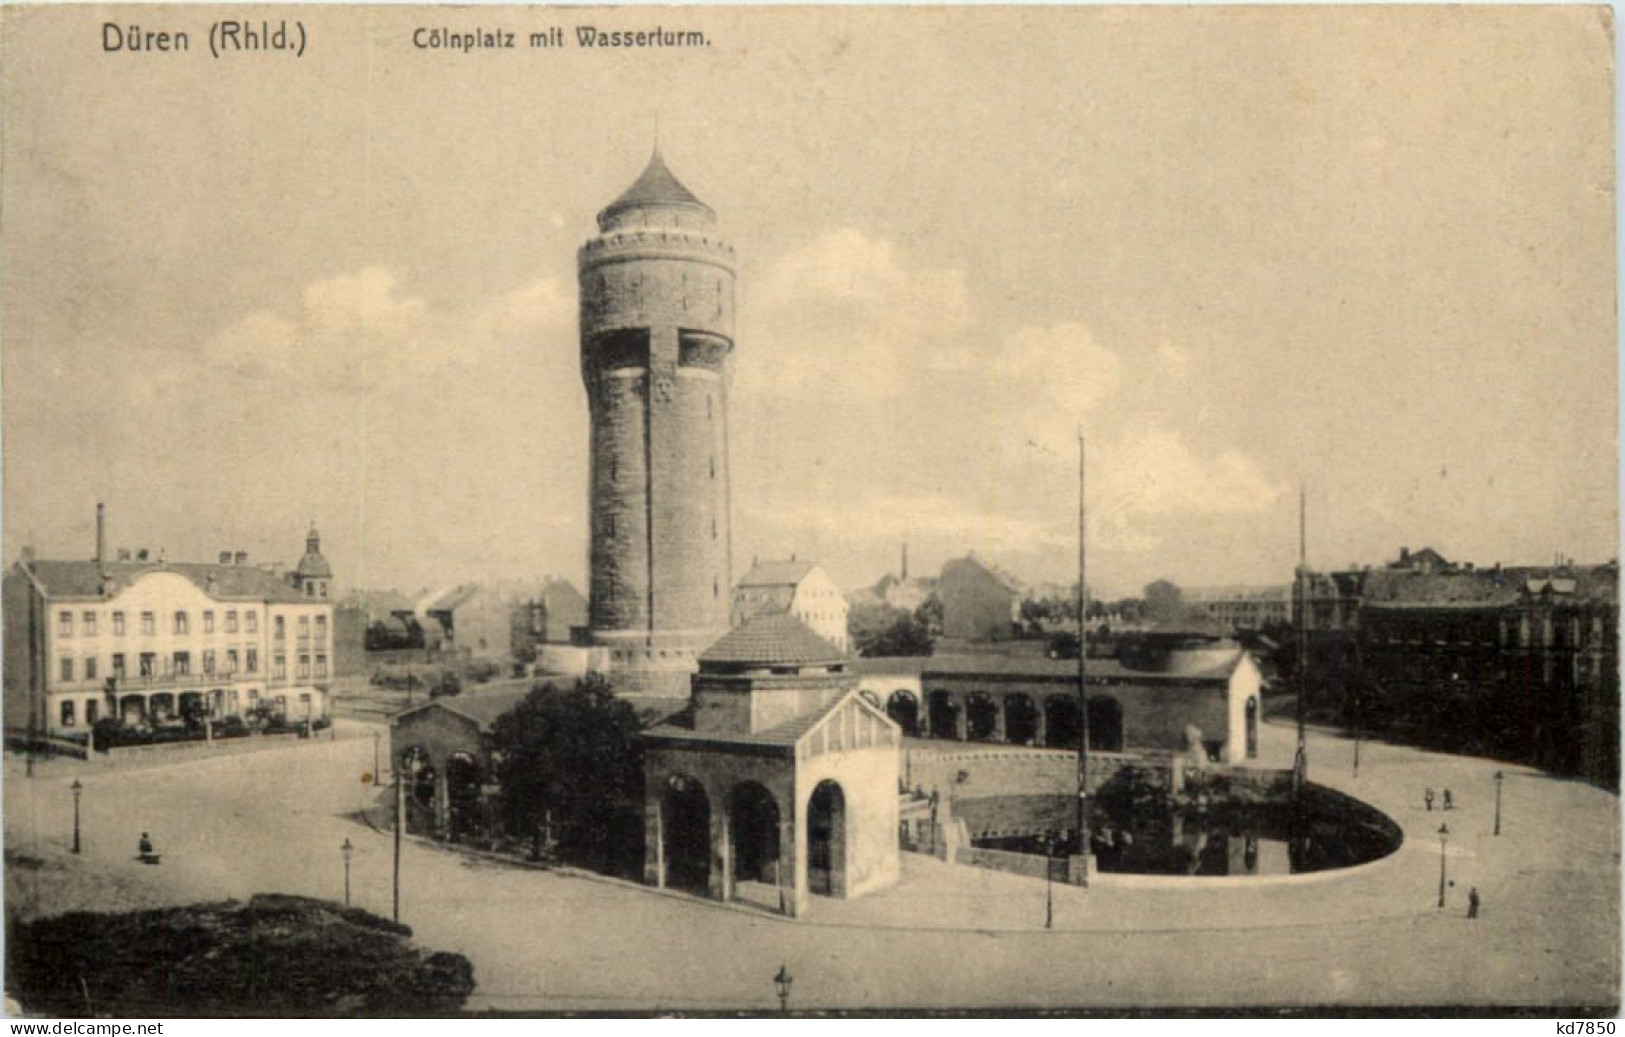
x=1083 y=664
x=400 y=824
x=1300 y=761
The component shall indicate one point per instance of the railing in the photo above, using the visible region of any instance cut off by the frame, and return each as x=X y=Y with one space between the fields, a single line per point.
x=143 y=682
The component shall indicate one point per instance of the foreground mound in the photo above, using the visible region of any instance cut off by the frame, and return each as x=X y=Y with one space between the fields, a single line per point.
x=275 y=955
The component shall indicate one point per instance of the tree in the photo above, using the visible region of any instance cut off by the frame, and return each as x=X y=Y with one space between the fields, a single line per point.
x=571 y=758
x=880 y=630
x=1164 y=601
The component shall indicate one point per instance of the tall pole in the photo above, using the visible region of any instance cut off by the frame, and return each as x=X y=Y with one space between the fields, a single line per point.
x=400 y=823
x=1498 y=778
x=1444 y=834
x=1300 y=761
x=77 y=788
x=1083 y=661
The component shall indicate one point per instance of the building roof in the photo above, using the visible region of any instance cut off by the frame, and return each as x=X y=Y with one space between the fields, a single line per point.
x=446 y=599
x=75 y=579
x=777 y=574
x=312 y=565
x=656 y=185
x=783 y=736
x=482 y=707
x=772 y=638
x=994 y=665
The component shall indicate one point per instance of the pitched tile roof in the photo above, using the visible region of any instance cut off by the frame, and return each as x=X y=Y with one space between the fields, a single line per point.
x=83 y=579
x=773 y=638
x=656 y=185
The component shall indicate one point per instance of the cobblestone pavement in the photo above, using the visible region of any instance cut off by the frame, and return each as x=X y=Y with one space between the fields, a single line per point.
x=944 y=937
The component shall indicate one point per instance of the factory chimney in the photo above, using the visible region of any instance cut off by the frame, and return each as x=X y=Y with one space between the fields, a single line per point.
x=101 y=533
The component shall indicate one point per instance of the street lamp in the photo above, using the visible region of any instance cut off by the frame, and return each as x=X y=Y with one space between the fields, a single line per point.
x=1499 y=777
x=1049 y=891
x=377 y=775
x=782 y=982
x=346 y=850
x=77 y=788
x=1444 y=836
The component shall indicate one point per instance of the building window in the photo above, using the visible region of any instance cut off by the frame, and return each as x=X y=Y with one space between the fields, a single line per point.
x=118 y=666
x=181 y=663
x=90 y=668
x=279 y=665
x=304 y=628
x=251 y=621
x=231 y=621
x=66 y=666
x=149 y=624
x=321 y=629
x=304 y=667
x=149 y=663
x=231 y=660
x=208 y=660
x=310 y=590
x=281 y=624
x=251 y=660
x=67 y=713
x=208 y=621
x=88 y=620
x=64 y=624
x=181 y=624
x=91 y=712
x=321 y=666
x=118 y=624
x=324 y=588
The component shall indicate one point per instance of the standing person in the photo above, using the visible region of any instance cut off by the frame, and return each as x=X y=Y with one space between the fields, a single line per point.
x=1427 y=797
x=1448 y=803
x=1472 y=902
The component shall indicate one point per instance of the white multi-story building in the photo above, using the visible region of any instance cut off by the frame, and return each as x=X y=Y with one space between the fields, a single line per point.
x=149 y=641
x=803 y=589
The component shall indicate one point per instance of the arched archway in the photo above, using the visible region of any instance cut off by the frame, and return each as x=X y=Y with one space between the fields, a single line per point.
x=192 y=707
x=132 y=709
x=1252 y=728
x=1105 y=724
x=1020 y=720
x=161 y=706
x=1063 y=722
x=753 y=819
x=685 y=833
x=826 y=840
x=462 y=797
x=417 y=771
x=981 y=717
x=904 y=709
x=942 y=715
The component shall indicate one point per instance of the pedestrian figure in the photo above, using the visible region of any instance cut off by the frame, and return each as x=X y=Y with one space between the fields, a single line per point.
x=146 y=845
x=1472 y=902
x=1447 y=801
x=1427 y=798
x=933 y=806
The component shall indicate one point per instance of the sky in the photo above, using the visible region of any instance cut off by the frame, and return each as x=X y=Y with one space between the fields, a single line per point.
x=1364 y=251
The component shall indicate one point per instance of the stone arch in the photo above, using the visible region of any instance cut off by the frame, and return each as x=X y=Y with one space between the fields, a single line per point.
x=132 y=709
x=753 y=824
x=1105 y=723
x=904 y=709
x=1063 y=722
x=827 y=840
x=981 y=717
x=192 y=706
x=942 y=715
x=1252 y=727
x=161 y=706
x=685 y=833
x=463 y=816
x=1020 y=720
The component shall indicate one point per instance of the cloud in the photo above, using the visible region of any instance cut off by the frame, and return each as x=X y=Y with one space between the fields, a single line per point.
x=848 y=313
x=355 y=332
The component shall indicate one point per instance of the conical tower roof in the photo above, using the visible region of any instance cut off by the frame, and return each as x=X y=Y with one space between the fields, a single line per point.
x=655 y=186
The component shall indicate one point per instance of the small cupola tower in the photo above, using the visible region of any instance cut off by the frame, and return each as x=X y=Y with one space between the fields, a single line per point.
x=313 y=574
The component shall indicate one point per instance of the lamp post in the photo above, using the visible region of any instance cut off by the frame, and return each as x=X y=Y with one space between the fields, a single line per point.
x=1049 y=889
x=77 y=788
x=1499 y=777
x=346 y=850
x=376 y=774
x=782 y=983
x=1444 y=836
